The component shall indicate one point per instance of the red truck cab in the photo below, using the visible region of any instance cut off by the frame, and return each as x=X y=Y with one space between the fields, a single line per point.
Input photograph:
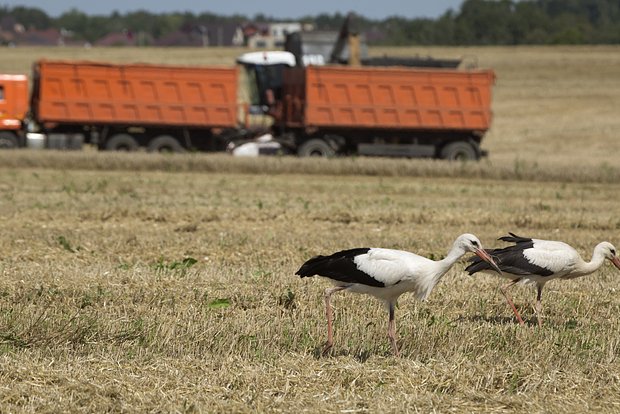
x=13 y=109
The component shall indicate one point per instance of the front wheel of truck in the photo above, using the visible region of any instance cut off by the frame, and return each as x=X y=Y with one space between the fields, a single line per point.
x=8 y=140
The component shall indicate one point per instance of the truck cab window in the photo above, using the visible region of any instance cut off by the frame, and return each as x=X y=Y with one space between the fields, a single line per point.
x=1 y=92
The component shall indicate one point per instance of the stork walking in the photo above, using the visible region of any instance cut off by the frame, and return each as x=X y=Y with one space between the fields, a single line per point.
x=386 y=274
x=539 y=261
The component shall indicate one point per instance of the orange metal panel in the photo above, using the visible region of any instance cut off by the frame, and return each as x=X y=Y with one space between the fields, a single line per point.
x=13 y=100
x=136 y=94
x=389 y=97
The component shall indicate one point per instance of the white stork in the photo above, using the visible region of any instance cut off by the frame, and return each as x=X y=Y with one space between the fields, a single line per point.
x=386 y=274
x=539 y=261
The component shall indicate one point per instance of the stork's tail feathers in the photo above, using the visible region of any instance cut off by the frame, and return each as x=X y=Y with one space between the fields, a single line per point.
x=312 y=266
x=513 y=238
x=325 y=265
x=478 y=265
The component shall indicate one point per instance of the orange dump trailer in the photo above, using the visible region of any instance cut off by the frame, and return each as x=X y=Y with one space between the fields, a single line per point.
x=435 y=112
x=118 y=106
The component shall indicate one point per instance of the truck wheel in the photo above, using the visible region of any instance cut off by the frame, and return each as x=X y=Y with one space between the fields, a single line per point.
x=8 y=140
x=459 y=151
x=121 y=142
x=165 y=143
x=315 y=148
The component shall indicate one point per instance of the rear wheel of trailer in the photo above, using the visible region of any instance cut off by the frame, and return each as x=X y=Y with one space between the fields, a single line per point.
x=121 y=142
x=316 y=147
x=459 y=151
x=165 y=143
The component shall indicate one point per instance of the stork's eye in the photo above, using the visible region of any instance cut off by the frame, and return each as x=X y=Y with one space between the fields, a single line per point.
x=474 y=243
x=613 y=252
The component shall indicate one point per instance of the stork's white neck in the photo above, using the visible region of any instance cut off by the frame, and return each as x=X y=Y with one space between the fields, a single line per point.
x=455 y=253
x=438 y=270
x=585 y=268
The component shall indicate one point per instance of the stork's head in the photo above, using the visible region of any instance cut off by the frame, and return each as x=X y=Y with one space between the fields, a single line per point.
x=470 y=243
x=608 y=251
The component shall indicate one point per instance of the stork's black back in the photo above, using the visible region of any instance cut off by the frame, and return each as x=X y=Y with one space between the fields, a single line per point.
x=339 y=266
x=509 y=259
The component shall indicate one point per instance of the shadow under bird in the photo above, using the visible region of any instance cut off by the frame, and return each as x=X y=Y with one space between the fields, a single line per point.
x=386 y=274
x=539 y=261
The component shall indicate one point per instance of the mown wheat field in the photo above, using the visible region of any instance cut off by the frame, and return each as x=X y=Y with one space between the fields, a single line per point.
x=146 y=282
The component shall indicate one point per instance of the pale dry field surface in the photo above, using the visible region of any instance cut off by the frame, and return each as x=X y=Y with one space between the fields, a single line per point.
x=153 y=283
x=99 y=312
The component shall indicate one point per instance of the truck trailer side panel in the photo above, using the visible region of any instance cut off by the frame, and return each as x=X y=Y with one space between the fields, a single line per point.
x=388 y=98
x=134 y=94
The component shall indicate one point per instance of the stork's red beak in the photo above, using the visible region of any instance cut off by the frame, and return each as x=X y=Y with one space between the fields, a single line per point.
x=487 y=258
x=616 y=262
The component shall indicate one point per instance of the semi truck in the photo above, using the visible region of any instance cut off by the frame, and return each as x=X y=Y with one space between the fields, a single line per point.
x=308 y=110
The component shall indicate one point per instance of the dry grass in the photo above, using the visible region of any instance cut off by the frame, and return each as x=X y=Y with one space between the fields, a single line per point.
x=102 y=307
x=519 y=170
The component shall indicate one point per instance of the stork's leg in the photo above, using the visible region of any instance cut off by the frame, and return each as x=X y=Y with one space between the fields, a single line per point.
x=504 y=290
x=539 y=305
x=328 y=312
x=392 y=329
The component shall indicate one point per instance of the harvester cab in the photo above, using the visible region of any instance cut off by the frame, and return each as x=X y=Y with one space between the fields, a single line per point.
x=262 y=78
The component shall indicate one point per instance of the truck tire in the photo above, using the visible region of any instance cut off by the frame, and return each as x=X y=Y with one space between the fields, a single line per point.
x=8 y=140
x=315 y=147
x=165 y=143
x=121 y=142
x=459 y=151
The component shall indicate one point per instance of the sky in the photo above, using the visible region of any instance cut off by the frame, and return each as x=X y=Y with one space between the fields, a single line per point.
x=374 y=9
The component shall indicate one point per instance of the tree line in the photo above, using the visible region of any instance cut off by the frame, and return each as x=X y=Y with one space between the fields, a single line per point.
x=476 y=22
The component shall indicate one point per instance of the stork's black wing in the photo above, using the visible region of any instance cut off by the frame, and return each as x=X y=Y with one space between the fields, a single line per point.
x=510 y=259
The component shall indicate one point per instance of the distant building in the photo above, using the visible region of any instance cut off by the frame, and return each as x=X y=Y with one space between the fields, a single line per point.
x=204 y=36
x=49 y=37
x=272 y=36
x=124 y=38
x=317 y=47
x=224 y=35
x=183 y=38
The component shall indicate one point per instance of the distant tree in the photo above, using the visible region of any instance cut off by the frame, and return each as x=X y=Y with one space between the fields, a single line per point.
x=77 y=22
x=476 y=22
x=326 y=21
x=570 y=28
x=31 y=18
x=485 y=22
x=531 y=23
x=445 y=28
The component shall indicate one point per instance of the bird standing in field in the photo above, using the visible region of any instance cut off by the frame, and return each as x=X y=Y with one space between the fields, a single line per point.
x=539 y=261
x=386 y=274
